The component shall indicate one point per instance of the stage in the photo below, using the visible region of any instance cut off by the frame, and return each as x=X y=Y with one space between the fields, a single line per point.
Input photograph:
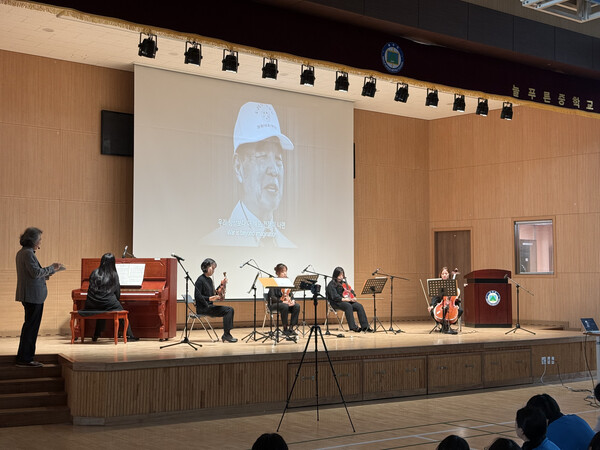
x=108 y=383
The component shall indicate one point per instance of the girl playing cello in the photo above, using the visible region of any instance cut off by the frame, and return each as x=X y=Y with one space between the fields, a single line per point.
x=446 y=310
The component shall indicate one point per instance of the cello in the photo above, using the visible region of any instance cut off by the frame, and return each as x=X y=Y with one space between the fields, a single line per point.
x=446 y=311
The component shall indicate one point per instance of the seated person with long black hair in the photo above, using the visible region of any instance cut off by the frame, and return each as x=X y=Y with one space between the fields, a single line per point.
x=205 y=295
x=340 y=298
x=282 y=300
x=104 y=293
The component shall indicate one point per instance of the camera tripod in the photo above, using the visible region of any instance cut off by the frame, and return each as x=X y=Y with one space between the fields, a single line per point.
x=316 y=331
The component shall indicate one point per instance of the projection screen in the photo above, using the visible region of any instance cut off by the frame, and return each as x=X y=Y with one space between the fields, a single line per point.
x=237 y=172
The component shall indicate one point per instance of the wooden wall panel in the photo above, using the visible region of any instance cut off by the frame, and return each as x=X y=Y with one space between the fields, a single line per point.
x=53 y=176
x=542 y=164
x=391 y=207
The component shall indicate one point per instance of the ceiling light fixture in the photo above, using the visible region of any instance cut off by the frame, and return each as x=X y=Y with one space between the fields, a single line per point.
x=193 y=53
x=432 y=98
x=369 y=88
x=230 y=61
x=269 y=68
x=459 y=103
x=401 y=92
x=307 y=75
x=341 y=81
x=482 y=107
x=149 y=46
x=507 y=111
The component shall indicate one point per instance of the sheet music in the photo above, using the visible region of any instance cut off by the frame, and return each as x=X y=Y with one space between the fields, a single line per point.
x=131 y=274
x=284 y=282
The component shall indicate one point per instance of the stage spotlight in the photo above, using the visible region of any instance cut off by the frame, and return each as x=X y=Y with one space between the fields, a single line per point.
x=149 y=46
x=341 y=81
x=230 y=61
x=432 y=98
x=507 y=111
x=482 y=107
x=459 y=103
x=401 y=92
x=307 y=75
x=193 y=53
x=269 y=69
x=369 y=89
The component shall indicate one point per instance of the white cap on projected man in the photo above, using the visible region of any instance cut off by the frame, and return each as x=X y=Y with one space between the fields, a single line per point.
x=258 y=167
x=257 y=122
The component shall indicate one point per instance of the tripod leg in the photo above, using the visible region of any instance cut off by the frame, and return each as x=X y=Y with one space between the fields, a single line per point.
x=335 y=377
x=287 y=402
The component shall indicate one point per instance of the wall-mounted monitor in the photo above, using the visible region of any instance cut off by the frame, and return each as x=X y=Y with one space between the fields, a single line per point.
x=116 y=133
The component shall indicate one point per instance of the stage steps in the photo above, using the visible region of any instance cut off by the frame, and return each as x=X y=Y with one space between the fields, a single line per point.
x=32 y=395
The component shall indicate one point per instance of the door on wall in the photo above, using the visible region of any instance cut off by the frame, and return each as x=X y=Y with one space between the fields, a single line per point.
x=453 y=250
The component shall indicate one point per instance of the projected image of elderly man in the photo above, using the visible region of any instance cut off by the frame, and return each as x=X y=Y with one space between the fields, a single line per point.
x=258 y=165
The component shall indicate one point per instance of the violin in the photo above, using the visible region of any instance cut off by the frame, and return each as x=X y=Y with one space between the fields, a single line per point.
x=348 y=292
x=448 y=303
x=221 y=290
x=286 y=297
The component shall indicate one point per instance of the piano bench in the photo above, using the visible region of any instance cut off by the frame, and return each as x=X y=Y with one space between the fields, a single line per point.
x=110 y=315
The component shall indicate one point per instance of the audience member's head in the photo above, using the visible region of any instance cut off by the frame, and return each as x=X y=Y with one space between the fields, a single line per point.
x=504 y=444
x=270 y=441
x=453 y=442
x=548 y=406
x=531 y=424
x=595 y=442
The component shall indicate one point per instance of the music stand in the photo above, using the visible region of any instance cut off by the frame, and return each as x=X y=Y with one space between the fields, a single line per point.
x=438 y=287
x=252 y=335
x=312 y=279
x=374 y=286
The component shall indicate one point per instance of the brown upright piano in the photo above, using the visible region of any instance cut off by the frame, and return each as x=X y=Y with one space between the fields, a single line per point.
x=152 y=306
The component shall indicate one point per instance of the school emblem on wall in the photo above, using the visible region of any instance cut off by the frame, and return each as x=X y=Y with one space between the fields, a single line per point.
x=492 y=298
x=392 y=57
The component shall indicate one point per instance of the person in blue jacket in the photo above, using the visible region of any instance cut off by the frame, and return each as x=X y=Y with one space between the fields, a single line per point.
x=568 y=431
x=530 y=425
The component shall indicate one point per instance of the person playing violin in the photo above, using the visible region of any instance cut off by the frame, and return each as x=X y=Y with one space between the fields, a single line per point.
x=446 y=328
x=341 y=296
x=205 y=295
x=282 y=300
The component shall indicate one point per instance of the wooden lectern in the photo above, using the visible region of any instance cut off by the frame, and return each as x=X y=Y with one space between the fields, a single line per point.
x=488 y=299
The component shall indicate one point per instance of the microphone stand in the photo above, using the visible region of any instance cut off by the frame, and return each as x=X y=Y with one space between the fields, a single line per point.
x=252 y=335
x=518 y=324
x=391 y=277
x=327 y=332
x=185 y=339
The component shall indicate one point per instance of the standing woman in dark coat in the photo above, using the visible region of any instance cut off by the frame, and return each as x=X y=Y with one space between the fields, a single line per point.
x=31 y=292
x=104 y=293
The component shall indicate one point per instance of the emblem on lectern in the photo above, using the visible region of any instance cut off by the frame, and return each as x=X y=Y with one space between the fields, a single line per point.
x=492 y=298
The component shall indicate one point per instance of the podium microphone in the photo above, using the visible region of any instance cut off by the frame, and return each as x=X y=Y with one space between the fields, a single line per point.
x=376 y=271
x=245 y=263
x=124 y=252
x=178 y=258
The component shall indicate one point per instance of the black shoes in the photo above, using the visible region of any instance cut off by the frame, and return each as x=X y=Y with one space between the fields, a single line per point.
x=290 y=332
x=132 y=339
x=29 y=364
x=368 y=330
x=94 y=338
x=228 y=338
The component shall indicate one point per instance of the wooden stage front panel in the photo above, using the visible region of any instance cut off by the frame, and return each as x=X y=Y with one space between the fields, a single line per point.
x=108 y=384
